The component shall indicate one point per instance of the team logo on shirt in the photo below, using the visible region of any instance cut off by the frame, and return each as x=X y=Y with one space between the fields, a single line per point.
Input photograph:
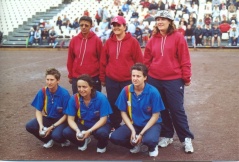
x=59 y=109
x=149 y=109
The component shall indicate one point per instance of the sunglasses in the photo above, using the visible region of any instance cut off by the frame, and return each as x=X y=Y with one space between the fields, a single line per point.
x=86 y=25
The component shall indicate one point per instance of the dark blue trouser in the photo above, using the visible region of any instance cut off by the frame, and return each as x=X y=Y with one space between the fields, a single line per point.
x=97 y=84
x=174 y=116
x=121 y=136
x=101 y=134
x=113 y=89
x=33 y=127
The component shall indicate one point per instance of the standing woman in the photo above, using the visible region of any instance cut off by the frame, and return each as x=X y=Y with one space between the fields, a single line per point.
x=119 y=53
x=168 y=59
x=88 y=112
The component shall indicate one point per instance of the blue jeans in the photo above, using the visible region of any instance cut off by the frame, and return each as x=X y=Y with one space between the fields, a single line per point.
x=33 y=127
x=96 y=80
x=113 y=89
x=121 y=136
x=101 y=134
x=174 y=116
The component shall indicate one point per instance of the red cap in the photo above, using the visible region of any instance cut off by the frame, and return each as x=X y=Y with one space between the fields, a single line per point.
x=118 y=19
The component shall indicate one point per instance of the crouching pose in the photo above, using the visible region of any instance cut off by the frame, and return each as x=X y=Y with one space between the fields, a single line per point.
x=50 y=104
x=88 y=112
x=140 y=105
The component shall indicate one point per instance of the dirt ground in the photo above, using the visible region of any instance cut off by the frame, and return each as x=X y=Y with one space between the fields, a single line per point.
x=211 y=102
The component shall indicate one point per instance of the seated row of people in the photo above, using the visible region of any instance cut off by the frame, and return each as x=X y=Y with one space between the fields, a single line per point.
x=36 y=37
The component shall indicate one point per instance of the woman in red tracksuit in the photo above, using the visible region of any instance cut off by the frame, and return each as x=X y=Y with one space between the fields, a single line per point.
x=167 y=57
x=84 y=55
x=120 y=52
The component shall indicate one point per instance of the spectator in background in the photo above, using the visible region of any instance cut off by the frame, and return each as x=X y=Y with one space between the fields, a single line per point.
x=224 y=19
x=52 y=37
x=189 y=35
x=185 y=10
x=182 y=20
x=232 y=8
x=31 y=35
x=207 y=35
x=215 y=13
x=86 y=13
x=125 y=8
x=198 y=33
x=48 y=26
x=135 y=14
x=161 y=5
x=98 y=32
x=222 y=4
x=104 y=25
x=201 y=23
x=120 y=13
x=45 y=34
x=41 y=24
x=69 y=27
x=153 y=5
x=131 y=28
x=139 y=35
x=207 y=20
x=146 y=35
x=76 y=25
x=233 y=36
x=84 y=55
x=59 y=23
x=223 y=12
x=65 y=20
x=216 y=35
x=37 y=37
x=224 y=27
x=105 y=35
x=181 y=30
x=234 y=17
x=136 y=22
x=145 y=4
x=215 y=3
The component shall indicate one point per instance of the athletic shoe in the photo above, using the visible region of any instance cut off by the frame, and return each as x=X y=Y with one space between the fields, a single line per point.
x=99 y=150
x=66 y=143
x=135 y=150
x=188 y=145
x=154 y=153
x=164 y=142
x=84 y=147
x=49 y=144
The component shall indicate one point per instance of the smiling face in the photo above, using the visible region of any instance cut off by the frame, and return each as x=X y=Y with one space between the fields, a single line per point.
x=84 y=88
x=118 y=29
x=162 y=24
x=52 y=82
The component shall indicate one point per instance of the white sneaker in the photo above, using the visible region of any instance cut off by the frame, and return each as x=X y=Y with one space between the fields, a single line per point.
x=188 y=145
x=139 y=148
x=84 y=147
x=49 y=144
x=135 y=150
x=99 y=150
x=164 y=142
x=66 y=143
x=49 y=44
x=155 y=152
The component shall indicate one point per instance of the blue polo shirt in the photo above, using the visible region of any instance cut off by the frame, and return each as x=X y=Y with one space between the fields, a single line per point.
x=56 y=103
x=98 y=107
x=143 y=106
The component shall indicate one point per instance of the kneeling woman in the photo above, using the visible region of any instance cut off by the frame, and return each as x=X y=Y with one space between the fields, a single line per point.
x=140 y=105
x=88 y=112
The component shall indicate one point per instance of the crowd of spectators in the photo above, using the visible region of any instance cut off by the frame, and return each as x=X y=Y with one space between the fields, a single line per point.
x=218 y=22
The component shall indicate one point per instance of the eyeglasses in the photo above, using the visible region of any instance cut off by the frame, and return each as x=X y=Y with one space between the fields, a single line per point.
x=86 y=25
